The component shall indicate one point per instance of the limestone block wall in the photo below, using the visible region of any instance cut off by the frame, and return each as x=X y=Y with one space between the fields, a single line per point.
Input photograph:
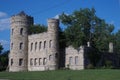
x=40 y=56
x=53 y=31
x=38 y=52
x=74 y=59
x=19 y=42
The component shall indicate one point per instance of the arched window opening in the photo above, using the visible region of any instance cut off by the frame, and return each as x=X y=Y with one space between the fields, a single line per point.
x=39 y=61
x=70 y=60
x=12 y=31
x=11 y=62
x=35 y=62
x=11 y=45
x=36 y=46
x=21 y=31
x=44 y=61
x=56 y=55
x=44 y=44
x=20 y=62
x=76 y=60
x=50 y=43
x=31 y=61
x=50 y=57
x=31 y=46
x=40 y=45
x=21 y=46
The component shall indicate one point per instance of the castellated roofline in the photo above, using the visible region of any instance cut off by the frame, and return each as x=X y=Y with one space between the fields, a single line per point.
x=51 y=20
x=22 y=13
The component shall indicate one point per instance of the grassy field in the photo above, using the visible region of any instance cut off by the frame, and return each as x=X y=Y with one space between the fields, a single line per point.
x=100 y=74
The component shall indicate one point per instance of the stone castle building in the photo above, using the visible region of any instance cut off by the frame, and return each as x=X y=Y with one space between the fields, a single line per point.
x=40 y=52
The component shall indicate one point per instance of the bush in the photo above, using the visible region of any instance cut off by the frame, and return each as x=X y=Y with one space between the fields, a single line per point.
x=90 y=66
x=108 y=64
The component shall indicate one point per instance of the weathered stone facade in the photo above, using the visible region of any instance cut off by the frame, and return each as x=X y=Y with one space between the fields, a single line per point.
x=39 y=52
x=74 y=58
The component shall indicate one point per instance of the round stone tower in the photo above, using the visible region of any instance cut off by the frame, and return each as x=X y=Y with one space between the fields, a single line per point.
x=19 y=41
x=53 y=27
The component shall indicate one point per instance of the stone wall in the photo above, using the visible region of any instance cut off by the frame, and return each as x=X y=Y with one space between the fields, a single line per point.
x=74 y=58
x=19 y=42
x=39 y=52
x=43 y=49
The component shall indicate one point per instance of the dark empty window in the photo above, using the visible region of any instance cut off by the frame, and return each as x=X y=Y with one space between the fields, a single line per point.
x=11 y=45
x=50 y=57
x=44 y=61
x=11 y=62
x=35 y=61
x=40 y=45
x=76 y=60
x=20 y=62
x=39 y=61
x=21 y=31
x=21 y=46
x=31 y=61
x=70 y=60
x=50 y=43
x=35 y=45
x=31 y=46
x=56 y=55
x=12 y=31
x=44 y=44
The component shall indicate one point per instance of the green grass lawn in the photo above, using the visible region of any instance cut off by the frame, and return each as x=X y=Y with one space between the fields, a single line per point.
x=98 y=74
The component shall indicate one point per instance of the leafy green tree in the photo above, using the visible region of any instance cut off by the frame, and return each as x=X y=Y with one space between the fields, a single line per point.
x=34 y=29
x=4 y=60
x=83 y=26
x=102 y=35
x=79 y=25
x=117 y=42
x=1 y=48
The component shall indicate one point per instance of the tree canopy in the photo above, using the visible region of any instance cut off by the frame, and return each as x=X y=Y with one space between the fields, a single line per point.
x=1 y=48
x=34 y=29
x=84 y=25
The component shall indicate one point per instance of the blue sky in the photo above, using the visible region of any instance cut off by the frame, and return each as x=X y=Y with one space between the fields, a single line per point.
x=41 y=10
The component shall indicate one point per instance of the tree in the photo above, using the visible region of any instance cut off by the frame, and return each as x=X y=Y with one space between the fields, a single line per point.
x=34 y=29
x=117 y=42
x=1 y=48
x=79 y=26
x=102 y=35
x=83 y=26
x=4 y=60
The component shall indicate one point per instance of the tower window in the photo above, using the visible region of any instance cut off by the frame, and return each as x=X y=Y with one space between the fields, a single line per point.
x=21 y=31
x=31 y=46
x=12 y=31
x=11 y=45
x=50 y=57
x=35 y=45
x=11 y=62
x=56 y=55
x=76 y=60
x=40 y=45
x=20 y=62
x=44 y=44
x=50 y=43
x=21 y=46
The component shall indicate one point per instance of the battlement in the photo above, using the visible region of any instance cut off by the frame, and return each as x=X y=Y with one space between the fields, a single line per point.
x=22 y=13
x=51 y=20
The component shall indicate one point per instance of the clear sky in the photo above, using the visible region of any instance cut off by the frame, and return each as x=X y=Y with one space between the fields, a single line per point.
x=41 y=10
